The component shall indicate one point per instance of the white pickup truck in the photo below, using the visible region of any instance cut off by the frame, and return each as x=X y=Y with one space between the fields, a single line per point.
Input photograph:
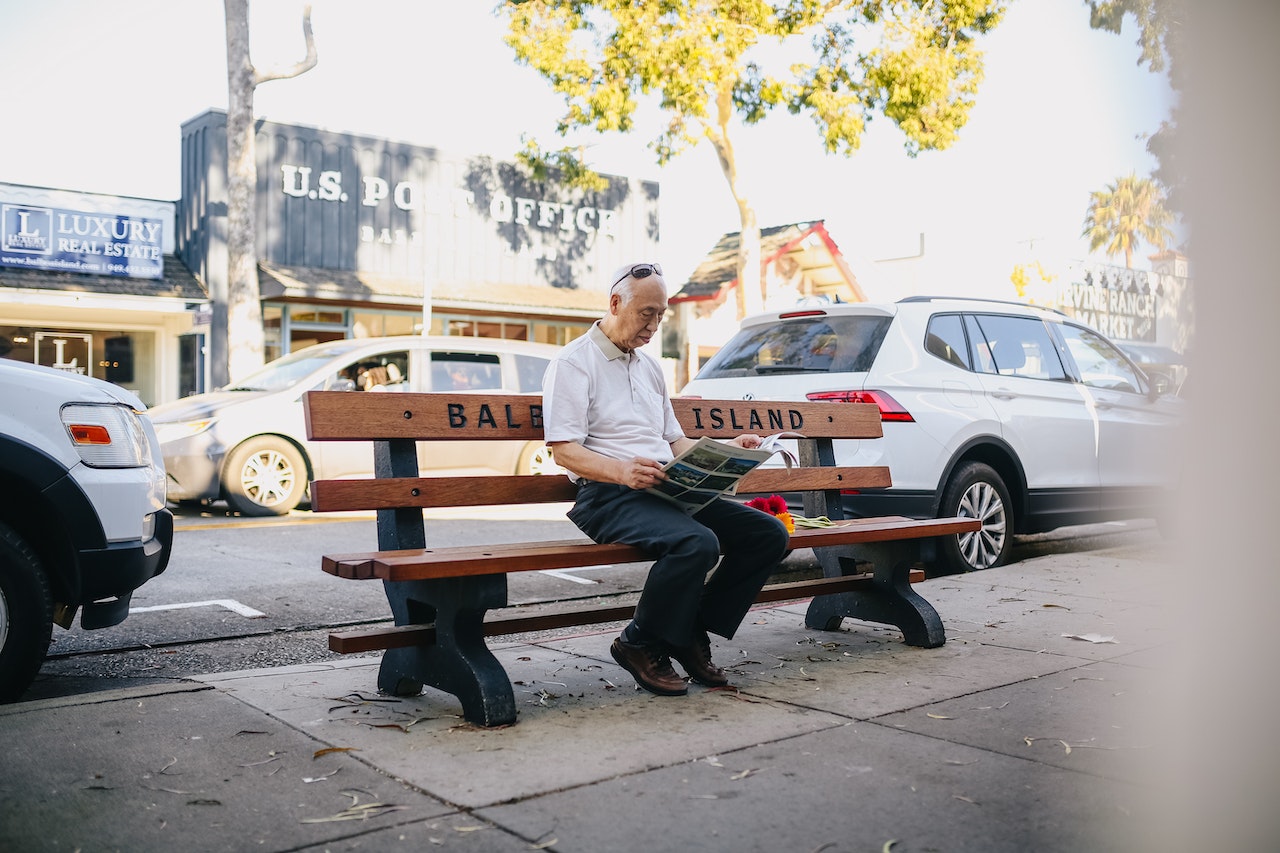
x=82 y=510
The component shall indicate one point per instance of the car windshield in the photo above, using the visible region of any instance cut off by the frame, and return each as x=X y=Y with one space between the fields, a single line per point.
x=818 y=344
x=289 y=370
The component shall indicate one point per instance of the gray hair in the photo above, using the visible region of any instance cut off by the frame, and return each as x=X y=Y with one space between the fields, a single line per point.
x=626 y=288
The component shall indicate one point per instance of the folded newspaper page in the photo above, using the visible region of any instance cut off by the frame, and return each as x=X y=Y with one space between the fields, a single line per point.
x=712 y=468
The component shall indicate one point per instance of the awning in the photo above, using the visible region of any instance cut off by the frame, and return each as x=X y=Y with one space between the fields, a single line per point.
x=178 y=283
x=353 y=288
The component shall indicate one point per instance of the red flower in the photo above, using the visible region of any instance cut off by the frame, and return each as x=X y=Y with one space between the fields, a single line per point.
x=775 y=505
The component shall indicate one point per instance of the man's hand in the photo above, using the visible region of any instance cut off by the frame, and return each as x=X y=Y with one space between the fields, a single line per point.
x=746 y=441
x=641 y=473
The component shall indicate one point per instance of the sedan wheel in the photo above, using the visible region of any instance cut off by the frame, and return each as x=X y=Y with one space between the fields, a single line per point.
x=538 y=459
x=977 y=491
x=265 y=476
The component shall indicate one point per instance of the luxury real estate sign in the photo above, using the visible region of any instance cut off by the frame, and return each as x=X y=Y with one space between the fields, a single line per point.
x=99 y=242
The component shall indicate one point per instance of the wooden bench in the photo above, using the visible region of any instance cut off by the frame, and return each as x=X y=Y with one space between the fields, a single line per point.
x=439 y=597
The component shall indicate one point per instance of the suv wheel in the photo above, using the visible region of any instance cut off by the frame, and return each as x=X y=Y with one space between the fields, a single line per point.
x=977 y=491
x=265 y=476
x=26 y=615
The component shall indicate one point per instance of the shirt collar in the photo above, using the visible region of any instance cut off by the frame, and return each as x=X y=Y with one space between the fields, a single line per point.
x=606 y=346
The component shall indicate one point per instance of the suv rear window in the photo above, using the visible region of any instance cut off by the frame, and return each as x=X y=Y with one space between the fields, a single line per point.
x=823 y=344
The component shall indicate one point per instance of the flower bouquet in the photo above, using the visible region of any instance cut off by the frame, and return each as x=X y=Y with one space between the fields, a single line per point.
x=776 y=506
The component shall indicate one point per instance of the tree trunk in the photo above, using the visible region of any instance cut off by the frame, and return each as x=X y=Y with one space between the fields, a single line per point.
x=749 y=295
x=244 y=301
x=244 y=346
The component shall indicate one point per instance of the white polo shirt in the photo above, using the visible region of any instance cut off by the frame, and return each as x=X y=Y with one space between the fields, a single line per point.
x=609 y=401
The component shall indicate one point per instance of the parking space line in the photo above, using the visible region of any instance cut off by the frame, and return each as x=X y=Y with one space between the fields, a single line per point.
x=228 y=603
x=568 y=574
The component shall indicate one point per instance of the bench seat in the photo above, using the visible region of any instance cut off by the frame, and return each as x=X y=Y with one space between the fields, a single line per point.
x=425 y=563
x=445 y=601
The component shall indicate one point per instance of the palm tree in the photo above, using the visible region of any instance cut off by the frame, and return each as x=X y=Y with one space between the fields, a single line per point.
x=1127 y=212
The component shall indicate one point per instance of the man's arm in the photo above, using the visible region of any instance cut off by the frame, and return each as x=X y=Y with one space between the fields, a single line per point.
x=638 y=473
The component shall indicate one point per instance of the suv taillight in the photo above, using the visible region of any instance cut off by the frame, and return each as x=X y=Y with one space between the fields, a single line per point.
x=890 y=409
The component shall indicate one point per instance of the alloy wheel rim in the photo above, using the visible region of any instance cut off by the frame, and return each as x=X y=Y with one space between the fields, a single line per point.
x=267 y=478
x=543 y=462
x=981 y=548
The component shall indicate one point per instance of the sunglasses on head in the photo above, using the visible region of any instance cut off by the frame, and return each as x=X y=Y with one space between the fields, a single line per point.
x=638 y=271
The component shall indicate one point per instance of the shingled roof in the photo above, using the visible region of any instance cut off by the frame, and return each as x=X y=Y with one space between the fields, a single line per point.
x=807 y=242
x=177 y=282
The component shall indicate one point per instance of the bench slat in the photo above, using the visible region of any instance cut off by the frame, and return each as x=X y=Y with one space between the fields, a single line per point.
x=422 y=564
x=389 y=493
x=352 y=416
x=768 y=480
x=404 y=636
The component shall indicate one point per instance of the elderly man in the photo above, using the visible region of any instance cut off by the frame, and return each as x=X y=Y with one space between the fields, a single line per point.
x=610 y=424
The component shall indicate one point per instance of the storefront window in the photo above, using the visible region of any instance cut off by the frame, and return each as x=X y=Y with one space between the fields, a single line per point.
x=558 y=333
x=191 y=364
x=272 y=321
x=126 y=358
x=316 y=315
x=382 y=325
x=510 y=331
x=18 y=344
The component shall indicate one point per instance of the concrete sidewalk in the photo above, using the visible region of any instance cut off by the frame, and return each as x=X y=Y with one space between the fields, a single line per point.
x=1024 y=732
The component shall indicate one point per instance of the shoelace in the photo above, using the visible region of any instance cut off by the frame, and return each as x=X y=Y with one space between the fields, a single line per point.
x=659 y=659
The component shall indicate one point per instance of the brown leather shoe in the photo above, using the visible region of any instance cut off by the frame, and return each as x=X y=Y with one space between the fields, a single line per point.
x=696 y=660
x=650 y=667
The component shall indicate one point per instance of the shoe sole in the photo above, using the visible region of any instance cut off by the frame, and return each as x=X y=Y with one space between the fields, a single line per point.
x=657 y=691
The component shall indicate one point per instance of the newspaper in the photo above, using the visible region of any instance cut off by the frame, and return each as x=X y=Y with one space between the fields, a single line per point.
x=712 y=468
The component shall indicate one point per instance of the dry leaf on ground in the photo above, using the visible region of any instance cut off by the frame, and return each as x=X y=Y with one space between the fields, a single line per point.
x=1090 y=638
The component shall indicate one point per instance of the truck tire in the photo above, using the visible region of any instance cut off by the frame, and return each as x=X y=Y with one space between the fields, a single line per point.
x=26 y=615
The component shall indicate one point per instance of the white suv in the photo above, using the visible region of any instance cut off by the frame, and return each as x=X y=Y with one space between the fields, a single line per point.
x=1005 y=412
x=82 y=510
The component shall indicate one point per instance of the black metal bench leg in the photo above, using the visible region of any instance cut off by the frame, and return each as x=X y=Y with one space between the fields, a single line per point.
x=888 y=597
x=458 y=662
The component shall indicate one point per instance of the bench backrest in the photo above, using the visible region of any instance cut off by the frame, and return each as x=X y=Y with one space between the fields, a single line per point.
x=340 y=415
x=395 y=422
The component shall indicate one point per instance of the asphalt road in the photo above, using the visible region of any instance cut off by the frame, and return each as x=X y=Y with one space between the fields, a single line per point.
x=242 y=593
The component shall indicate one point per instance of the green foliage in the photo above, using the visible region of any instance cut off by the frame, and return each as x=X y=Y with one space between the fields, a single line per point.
x=703 y=63
x=1161 y=36
x=565 y=164
x=1130 y=211
x=1159 y=24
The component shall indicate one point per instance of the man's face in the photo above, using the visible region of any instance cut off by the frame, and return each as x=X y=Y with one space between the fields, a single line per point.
x=636 y=320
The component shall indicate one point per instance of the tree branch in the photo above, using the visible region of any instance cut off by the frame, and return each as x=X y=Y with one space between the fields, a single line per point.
x=298 y=67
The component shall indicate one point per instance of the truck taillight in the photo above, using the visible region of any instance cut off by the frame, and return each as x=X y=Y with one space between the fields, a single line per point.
x=890 y=409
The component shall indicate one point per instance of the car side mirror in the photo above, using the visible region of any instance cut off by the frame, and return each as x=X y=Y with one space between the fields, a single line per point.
x=1160 y=385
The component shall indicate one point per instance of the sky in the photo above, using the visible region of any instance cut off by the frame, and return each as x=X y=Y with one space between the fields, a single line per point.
x=95 y=95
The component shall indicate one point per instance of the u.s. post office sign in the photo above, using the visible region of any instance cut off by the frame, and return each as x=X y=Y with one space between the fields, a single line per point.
x=55 y=238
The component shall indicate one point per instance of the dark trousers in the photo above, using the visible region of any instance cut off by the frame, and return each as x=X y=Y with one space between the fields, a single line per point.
x=678 y=599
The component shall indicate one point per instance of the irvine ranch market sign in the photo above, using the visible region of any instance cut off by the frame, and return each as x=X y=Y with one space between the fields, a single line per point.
x=55 y=238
